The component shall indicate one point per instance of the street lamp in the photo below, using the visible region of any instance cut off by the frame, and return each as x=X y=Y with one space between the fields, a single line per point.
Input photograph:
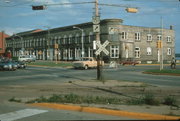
x=82 y=39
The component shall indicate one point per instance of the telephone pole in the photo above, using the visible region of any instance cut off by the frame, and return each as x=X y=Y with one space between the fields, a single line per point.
x=96 y=29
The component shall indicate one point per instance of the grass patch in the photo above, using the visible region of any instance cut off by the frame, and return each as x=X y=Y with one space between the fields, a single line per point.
x=148 y=99
x=170 y=100
x=76 y=99
x=51 y=64
x=13 y=99
x=164 y=71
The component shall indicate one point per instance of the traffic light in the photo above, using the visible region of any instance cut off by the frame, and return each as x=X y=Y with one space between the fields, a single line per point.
x=40 y=7
x=132 y=10
x=159 y=44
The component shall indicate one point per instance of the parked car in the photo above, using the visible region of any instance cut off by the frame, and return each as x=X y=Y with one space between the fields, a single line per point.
x=129 y=61
x=27 y=58
x=20 y=64
x=85 y=63
x=8 y=65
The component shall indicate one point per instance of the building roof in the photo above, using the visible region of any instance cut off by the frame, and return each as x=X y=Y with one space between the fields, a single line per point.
x=29 y=32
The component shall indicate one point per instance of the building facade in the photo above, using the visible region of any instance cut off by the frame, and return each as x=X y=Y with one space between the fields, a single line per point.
x=2 y=42
x=65 y=43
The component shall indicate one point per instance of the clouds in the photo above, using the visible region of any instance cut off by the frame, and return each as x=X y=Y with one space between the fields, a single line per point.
x=18 y=16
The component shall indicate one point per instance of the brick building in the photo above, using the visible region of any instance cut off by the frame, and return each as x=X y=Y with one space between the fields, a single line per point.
x=2 y=42
x=65 y=43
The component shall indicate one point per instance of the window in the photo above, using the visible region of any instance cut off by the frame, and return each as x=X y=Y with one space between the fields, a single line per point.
x=65 y=54
x=159 y=37
x=137 y=36
x=70 y=53
x=91 y=37
x=77 y=38
x=168 y=38
x=114 y=51
x=137 y=52
x=64 y=39
x=124 y=35
x=149 y=37
x=70 y=39
x=77 y=53
x=90 y=52
x=149 y=51
x=168 y=51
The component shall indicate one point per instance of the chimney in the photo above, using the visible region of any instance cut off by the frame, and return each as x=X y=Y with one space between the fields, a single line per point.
x=171 y=27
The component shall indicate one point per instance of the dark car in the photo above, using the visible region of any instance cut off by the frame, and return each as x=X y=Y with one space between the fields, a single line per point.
x=129 y=61
x=8 y=65
x=20 y=64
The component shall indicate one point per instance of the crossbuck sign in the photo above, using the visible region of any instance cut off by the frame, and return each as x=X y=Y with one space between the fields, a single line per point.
x=102 y=47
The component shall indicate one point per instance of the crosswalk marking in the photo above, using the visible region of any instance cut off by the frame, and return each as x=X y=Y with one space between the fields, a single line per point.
x=20 y=114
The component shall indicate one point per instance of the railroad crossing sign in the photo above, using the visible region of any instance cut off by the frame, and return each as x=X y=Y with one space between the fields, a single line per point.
x=102 y=47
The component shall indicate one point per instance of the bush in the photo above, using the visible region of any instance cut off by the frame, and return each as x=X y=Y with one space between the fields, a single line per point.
x=76 y=99
x=148 y=99
x=13 y=99
x=170 y=100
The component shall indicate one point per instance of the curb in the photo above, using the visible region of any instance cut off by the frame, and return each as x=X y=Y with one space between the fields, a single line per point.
x=133 y=115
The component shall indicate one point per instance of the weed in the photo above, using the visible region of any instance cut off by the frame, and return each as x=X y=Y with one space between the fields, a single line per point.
x=76 y=99
x=148 y=99
x=13 y=99
x=170 y=100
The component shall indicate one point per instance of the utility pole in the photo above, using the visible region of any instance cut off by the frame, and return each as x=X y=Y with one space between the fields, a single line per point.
x=162 y=58
x=96 y=29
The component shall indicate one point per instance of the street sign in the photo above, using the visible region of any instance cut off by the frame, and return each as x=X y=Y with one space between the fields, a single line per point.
x=96 y=20
x=96 y=28
x=102 y=47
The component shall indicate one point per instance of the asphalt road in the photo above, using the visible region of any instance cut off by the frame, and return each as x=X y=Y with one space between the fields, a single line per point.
x=47 y=74
x=38 y=75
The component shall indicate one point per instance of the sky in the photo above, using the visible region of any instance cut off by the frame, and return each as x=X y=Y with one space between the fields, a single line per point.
x=17 y=15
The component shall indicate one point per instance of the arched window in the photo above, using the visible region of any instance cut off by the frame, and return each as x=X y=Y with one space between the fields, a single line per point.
x=59 y=40
x=77 y=38
x=64 y=39
x=70 y=39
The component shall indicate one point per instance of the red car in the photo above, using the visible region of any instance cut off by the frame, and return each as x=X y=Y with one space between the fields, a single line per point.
x=128 y=61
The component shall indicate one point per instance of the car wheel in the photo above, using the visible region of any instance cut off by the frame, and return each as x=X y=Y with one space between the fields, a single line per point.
x=86 y=67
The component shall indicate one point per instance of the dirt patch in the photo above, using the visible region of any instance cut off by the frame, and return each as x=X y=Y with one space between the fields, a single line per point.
x=124 y=90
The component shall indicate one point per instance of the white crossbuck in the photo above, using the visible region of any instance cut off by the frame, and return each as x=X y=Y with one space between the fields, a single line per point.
x=102 y=47
x=20 y=114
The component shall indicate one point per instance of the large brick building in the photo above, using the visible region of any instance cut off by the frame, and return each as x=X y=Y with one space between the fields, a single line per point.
x=126 y=41
x=2 y=42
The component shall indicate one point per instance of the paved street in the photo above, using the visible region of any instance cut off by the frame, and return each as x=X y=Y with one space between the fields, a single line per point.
x=41 y=75
x=46 y=74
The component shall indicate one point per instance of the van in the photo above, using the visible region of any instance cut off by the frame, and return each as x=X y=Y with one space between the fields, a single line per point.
x=27 y=58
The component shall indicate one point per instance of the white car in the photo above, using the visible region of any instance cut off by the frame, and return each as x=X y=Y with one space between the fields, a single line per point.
x=27 y=58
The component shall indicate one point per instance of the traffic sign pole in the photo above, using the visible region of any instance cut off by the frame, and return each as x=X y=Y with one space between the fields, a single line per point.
x=96 y=29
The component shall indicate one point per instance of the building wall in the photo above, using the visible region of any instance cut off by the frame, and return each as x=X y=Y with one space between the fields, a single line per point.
x=125 y=42
x=2 y=42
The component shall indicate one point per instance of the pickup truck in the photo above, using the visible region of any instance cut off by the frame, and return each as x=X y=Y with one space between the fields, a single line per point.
x=85 y=63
